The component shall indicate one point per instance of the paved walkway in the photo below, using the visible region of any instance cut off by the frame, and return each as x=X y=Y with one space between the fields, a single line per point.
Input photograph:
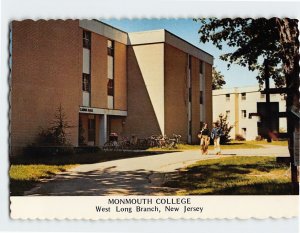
x=134 y=176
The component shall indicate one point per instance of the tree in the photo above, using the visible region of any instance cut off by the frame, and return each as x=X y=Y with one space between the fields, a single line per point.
x=261 y=44
x=225 y=127
x=57 y=134
x=217 y=79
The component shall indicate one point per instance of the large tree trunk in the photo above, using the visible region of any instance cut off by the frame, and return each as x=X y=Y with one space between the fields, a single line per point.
x=288 y=30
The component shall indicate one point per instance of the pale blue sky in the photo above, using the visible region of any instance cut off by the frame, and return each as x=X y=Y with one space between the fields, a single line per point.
x=187 y=29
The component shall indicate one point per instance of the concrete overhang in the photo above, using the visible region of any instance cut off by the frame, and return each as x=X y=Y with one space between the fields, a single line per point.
x=145 y=37
x=164 y=36
x=102 y=111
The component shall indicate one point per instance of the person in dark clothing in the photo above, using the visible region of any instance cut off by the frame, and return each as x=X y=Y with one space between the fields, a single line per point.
x=203 y=135
x=216 y=133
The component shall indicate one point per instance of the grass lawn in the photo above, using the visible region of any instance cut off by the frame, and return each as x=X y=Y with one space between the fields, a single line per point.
x=237 y=175
x=232 y=145
x=274 y=143
x=25 y=177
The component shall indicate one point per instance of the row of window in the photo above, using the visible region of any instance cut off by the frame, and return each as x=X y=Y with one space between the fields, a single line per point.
x=86 y=84
x=200 y=99
x=86 y=78
x=243 y=114
x=200 y=65
x=243 y=96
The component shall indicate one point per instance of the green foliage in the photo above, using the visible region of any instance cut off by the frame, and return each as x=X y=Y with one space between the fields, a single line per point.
x=217 y=79
x=256 y=41
x=226 y=128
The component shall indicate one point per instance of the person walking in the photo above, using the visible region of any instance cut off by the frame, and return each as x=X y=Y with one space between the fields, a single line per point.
x=216 y=133
x=203 y=135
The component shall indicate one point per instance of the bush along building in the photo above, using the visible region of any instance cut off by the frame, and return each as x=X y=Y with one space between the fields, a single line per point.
x=245 y=108
x=105 y=80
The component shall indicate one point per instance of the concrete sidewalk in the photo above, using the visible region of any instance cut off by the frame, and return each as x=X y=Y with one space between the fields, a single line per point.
x=134 y=176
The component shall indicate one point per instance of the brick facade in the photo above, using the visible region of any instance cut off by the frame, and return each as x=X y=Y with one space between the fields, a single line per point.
x=46 y=72
x=150 y=82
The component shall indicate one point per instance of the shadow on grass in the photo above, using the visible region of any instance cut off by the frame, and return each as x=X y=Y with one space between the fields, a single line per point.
x=17 y=187
x=81 y=158
x=231 y=179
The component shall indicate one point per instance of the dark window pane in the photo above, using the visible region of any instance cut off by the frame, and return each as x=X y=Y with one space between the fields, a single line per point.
x=86 y=82
x=110 y=87
x=243 y=96
x=201 y=67
x=87 y=39
x=110 y=52
x=201 y=97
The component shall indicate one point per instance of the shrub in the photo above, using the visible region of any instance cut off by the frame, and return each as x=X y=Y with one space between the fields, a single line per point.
x=226 y=128
x=239 y=137
x=53 y=140
x=38 y=150
x=86 y=149
x=259 y=138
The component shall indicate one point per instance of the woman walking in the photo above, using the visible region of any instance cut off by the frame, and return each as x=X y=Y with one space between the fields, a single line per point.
x=216 y=133
x=203 y=135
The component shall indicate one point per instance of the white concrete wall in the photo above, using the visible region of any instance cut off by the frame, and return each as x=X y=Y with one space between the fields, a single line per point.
x=86 y=61
x=221 y=105
x=253 y=96
x=150 y=59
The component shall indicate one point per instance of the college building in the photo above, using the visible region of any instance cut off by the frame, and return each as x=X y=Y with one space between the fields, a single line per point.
x=245 y=108
x=106 y=80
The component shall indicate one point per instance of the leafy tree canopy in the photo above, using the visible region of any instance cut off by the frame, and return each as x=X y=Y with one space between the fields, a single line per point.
x=256 y=41
x=217 y=79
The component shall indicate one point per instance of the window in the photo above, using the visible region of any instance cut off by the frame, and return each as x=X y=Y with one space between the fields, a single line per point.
x=86 y=79
x=86 y=39
x=201 y=97
x=201 y=67
x=110 y=48
x=243 y=96
x=244 y=113
x=227 y=97
x=262 y=96
x=228 y=114
x=244 y=131
x=110 y=87
x=283 y=97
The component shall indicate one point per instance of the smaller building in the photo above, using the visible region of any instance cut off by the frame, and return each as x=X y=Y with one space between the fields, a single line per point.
x=238 y=103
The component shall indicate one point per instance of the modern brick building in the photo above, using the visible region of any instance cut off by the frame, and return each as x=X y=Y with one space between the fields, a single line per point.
x=106 y=80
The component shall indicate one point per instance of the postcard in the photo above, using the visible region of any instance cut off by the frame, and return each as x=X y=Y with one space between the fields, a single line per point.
x=190 y=118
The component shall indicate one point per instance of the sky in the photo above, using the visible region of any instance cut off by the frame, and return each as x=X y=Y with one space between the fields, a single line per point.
x=187 y=29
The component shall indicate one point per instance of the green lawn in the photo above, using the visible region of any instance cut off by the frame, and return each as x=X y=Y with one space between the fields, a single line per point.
x=231 y=145
x=237 y=175
x=25 y=177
